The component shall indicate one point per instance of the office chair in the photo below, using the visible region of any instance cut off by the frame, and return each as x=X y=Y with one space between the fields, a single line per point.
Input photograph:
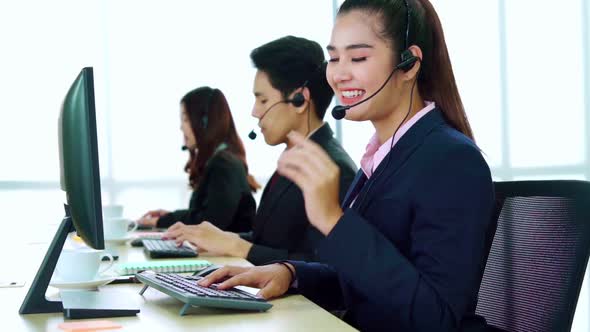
x=538 y=256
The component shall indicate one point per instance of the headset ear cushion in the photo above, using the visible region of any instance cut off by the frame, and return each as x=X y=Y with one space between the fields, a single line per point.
x=407 y=60
x=298 y=99
x=205 y=118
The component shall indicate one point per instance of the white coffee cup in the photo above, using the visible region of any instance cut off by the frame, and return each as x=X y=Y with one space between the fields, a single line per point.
x=112 y=211
x=81 y=264
x=117 y=228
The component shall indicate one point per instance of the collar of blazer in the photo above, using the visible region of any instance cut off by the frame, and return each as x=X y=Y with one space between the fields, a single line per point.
x=269 y=200
x=218 y=149
x=401 y=151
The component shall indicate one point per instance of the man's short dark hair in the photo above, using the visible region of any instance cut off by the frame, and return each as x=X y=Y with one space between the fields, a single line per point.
x=291 y=61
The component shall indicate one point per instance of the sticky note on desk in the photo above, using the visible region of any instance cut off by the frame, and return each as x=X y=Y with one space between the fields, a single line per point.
x=90 y=325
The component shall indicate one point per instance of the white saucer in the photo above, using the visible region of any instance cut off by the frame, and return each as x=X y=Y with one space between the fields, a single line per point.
x=120 y=240
x=84 y=285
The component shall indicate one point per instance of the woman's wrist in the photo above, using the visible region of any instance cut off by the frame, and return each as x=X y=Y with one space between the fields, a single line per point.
x=291 y=269
x=330 y=221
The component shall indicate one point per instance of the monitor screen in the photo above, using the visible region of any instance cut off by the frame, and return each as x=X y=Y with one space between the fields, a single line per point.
x=78 y=155
x=80 y=178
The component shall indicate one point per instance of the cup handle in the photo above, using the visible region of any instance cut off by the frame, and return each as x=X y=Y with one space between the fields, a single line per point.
x=111 y=262
x=135 y=225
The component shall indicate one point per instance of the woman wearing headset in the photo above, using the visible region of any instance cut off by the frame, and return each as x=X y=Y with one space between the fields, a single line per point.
x=217 y=169
x=405 y=250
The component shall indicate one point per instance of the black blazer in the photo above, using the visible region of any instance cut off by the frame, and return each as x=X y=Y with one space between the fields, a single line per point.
x=281 y=229
x=407 y=256
x=223 y=197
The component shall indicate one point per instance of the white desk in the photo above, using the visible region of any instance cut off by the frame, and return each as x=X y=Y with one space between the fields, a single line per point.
x=159 y=312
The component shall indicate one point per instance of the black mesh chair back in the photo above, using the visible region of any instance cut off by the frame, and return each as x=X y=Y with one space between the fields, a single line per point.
x=538 y=256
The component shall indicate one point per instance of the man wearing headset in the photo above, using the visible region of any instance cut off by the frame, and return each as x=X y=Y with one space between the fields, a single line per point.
x=292 y=94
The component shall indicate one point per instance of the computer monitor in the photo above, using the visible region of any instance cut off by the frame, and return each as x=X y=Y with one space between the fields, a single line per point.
x=78 y=157
x=80 y=179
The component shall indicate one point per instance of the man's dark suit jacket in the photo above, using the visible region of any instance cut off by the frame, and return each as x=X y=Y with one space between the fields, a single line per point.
x=281 y=229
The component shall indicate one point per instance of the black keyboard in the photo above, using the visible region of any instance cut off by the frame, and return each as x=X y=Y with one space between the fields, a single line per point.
x=185 y=289
x=166 y=249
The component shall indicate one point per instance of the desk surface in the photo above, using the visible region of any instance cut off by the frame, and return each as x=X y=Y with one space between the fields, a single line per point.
x=158 y=311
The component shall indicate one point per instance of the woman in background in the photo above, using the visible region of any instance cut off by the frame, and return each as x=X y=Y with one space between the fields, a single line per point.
x=217 y=168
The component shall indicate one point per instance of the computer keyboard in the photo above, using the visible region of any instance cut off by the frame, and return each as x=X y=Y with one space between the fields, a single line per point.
x=166 y=249
x=140 y=236
x=185 y=289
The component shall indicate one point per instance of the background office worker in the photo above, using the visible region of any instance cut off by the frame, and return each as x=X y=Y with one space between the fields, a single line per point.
x=217 y=168
x=286 y=67
x=407 y=255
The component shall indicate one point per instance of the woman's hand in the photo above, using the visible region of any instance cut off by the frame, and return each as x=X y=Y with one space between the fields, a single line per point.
x=150 y=219
x=273 y=280
x=208 y=237
x=310 y=167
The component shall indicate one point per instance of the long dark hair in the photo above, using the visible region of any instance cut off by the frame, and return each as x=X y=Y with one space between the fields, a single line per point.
x=212 y=124
x=436 y=81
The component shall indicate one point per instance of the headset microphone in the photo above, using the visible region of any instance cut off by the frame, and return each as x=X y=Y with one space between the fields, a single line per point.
x=298 y=100
x=408 y=60
x=184 y=148
x=252 y=135
x=339 y=112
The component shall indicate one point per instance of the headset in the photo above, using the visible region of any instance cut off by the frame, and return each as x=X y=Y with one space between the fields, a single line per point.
x=407 y=57
x=205 y=118
x=407 y=62
x=298 y=100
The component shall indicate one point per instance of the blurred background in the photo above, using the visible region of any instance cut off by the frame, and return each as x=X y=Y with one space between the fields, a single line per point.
x=523 y=70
